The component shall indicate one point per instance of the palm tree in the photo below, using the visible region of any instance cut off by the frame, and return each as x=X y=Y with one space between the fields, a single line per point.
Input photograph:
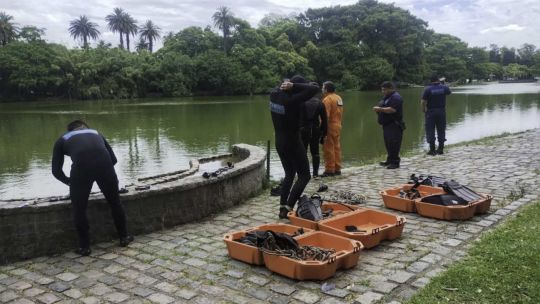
x=150 y=32
x=8 y=29
x=224 y=20
x=114 y=21
x=84 y=29
x=129 y=27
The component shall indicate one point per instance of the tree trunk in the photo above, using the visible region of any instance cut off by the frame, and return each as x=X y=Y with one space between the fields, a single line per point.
x=127 y=41
x=121 y=40
x=150 y=45
x=85 y=43
x=225 y=42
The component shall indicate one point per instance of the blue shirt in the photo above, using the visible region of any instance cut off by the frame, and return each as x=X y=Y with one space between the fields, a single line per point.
x=435 y=95
x=395 y=101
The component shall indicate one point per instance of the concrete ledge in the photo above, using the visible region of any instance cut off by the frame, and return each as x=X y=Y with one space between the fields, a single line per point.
x=39 y=227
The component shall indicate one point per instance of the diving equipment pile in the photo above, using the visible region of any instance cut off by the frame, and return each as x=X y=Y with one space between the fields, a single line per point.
x=449 y=200
x=294 y=252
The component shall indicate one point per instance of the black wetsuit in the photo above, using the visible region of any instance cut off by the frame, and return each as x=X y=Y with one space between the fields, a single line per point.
x=285 y=111
x=313 y=126
x=93 y=161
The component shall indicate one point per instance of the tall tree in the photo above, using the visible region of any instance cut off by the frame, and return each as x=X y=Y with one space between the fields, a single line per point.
x=224 y=20
x=31 y=33
x=114 y=22
x=141 y=45
x=84 y=29
x=8 y=29
x=129 y=27
x=150 y=32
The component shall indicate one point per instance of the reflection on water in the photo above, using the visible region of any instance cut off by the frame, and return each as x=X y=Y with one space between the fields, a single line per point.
x=500 y=89
x=494 y=122
x=156 y=136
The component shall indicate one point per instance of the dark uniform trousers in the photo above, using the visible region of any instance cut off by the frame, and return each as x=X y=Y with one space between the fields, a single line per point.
x=435 y=119
x=393 y=134
x=81 y=181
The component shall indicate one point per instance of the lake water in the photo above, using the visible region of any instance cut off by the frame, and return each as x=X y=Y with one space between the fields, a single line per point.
x=154 y=136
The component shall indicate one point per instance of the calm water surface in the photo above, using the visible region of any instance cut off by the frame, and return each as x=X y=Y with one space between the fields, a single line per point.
x=153 y=136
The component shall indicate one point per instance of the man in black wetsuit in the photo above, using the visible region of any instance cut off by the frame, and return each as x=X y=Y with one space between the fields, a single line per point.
x=313 y=127
x=93 y=161
x=285 y=104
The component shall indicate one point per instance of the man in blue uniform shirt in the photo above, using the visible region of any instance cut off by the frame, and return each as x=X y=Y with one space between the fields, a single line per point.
x=390 y=117
x=434 y=106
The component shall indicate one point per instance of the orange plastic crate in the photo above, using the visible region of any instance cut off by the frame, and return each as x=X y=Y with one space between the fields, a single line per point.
x=459 y=212
x=250 y=254
x=339 y=208
x=392 y=200
x=376 y=226
x=346 y=256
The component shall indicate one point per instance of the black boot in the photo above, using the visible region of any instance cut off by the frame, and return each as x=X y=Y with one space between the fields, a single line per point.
x=432 y=151
x=440 y=148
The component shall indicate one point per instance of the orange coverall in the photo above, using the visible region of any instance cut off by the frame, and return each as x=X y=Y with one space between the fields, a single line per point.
x=332 y=148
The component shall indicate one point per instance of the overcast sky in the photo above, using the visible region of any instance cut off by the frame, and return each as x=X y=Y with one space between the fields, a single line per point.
x=478 y=22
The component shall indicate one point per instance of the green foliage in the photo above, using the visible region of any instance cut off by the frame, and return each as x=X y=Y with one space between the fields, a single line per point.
x=357 y=46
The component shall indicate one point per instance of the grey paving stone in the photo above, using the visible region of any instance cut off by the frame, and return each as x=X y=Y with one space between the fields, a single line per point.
x=7 y=296
x=116 y=297
x=186 y=294
x=368 y=298
x=283 y=289
x=32 y=292
x=73 y=293
x=418 y=267
x=305 y=296
x=90 y=300
x=67 y=276
x=142 y=291
x=452 y=242
x=384 y=287
x=261 y=281
x=20 y=285
x=337 y=292
x=431 y=258
x=258 y=293
x=23 y=301
x=160 y=298
x=195 y=262
x=400 y=276
x=48 y=298
x=59 y=286
x=235 y=274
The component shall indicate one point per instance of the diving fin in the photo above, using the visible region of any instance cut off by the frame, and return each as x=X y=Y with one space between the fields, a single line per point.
x=461 y=191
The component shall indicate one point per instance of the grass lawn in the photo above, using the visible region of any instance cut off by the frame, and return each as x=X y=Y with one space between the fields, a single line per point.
x=503 y=267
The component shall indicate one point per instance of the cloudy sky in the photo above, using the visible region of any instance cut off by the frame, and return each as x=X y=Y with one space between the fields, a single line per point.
x=477 y=22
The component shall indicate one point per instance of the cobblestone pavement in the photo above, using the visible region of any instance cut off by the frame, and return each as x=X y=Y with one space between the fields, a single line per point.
x=189 y=264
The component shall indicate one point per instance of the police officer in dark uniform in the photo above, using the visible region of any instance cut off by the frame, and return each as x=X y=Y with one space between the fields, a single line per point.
x=390 y=117
x=434 y=106
x=313 y=127
x=93 y=161
x=285 y=102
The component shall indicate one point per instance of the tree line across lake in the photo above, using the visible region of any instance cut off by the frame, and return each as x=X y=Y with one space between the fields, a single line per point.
x=356 y=46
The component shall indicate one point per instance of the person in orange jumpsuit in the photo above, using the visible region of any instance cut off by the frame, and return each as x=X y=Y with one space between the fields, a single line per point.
x=331 y=145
